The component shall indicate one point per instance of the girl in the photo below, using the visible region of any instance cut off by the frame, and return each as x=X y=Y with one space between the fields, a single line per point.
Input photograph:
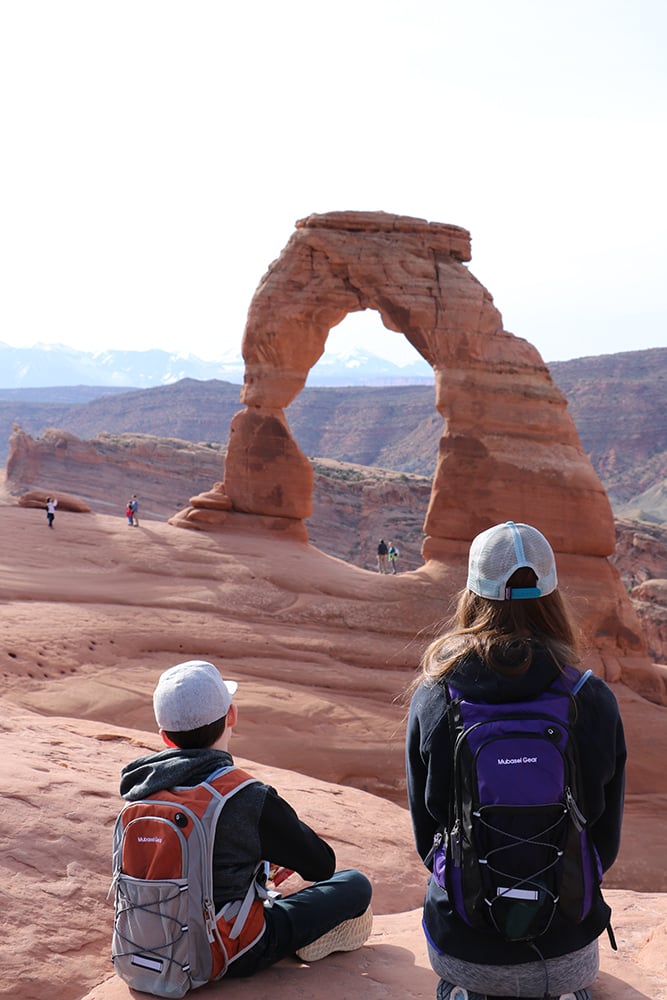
x=51 y=504
x=509 y=640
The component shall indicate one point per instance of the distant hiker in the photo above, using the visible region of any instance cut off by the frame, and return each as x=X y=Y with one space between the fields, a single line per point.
x=393 y=554
x=51 y=504
x=128 y=513
x=134 y=507
x=518 y=822
x=172 y=795
x=382 y=556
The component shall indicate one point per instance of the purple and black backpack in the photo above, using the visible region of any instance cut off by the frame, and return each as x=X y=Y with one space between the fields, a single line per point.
x=517 y=849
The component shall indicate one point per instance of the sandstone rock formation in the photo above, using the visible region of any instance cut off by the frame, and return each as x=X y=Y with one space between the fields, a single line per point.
x=641 y=552
x=395 y=426
x=626 y=442
x=509 y=449
x=323 y=652
x=506 y=422
x=650 y=602
x=111 y=467
x=353 y=505
x=38 y=498
x=641 y=558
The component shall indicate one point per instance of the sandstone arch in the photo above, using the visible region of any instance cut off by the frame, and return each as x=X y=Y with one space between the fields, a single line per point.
x=509 y=448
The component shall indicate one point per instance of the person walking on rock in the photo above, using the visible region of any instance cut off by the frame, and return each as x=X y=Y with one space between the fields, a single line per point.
x=51 y=504
x=511 y=648
x=382 y=556
x=134 y=507
x=393 y=554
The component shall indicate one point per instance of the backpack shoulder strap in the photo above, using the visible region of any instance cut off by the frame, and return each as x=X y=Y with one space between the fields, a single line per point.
x=453 y=698
x=226 y=782
x=581 y=681
x=229 y=780
x=456 y=727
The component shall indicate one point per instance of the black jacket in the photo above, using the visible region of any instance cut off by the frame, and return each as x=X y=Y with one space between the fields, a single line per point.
x=255 y=825
x=598 y=732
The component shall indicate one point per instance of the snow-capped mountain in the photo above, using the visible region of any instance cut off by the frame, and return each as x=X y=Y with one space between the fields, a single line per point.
x=49 y=365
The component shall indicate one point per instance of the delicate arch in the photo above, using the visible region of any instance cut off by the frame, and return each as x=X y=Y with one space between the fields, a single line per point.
x=509 y=449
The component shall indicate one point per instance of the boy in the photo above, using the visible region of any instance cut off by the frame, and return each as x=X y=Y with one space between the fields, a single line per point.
x=196 y=716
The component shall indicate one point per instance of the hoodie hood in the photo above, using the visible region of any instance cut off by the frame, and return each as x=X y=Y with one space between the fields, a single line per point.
x=474 y=680
x=170 y=769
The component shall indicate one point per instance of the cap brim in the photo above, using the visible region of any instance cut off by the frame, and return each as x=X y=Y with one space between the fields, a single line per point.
x=231 y=687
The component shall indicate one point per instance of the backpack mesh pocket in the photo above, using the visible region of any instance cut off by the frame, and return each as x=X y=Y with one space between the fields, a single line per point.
x=155 y=913
x=520 y=850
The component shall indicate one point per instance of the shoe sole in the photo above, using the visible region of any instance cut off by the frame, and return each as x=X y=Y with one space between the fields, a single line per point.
x=348 y=936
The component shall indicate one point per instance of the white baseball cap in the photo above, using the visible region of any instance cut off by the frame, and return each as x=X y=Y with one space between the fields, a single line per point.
x=498 y=552
x=191 y=695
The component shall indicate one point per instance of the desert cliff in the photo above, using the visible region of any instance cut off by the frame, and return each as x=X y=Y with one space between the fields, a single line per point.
x=353 y=505
x=391 y=427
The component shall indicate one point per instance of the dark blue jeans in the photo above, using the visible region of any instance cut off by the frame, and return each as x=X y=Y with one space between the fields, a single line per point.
x=295 y=921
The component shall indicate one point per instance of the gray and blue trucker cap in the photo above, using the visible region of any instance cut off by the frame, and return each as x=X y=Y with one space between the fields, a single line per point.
x=191 y=695
x=497 y=552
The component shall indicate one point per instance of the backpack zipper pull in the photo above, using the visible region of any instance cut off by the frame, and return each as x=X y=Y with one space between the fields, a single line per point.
x=437 y=841
x=575 y=812
x=209 y=917
x=455 y=844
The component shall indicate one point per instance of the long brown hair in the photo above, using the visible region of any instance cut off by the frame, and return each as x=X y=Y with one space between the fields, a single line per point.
x=500 y=632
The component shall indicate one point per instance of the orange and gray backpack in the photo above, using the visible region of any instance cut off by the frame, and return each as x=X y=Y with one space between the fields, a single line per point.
x=167 y=936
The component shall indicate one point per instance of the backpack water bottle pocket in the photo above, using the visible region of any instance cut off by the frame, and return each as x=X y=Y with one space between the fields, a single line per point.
x=154 y=913
x=521 y=913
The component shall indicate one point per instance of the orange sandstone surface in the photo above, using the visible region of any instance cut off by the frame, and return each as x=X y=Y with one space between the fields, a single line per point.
x=93 y=611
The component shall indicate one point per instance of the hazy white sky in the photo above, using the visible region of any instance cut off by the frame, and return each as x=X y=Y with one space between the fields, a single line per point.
x=157 y=154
